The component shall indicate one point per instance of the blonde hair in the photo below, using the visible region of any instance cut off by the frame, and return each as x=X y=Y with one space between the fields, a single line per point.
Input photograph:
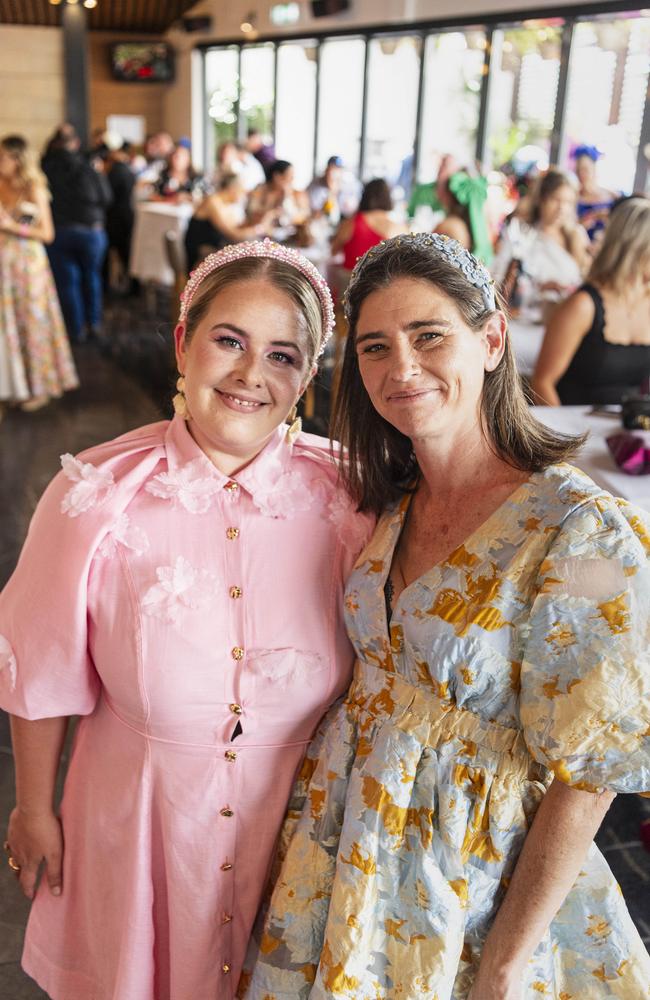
x=29 y=177
x=625 y=250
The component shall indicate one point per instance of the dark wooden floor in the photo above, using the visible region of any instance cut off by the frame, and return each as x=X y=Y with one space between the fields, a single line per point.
x=126 y=382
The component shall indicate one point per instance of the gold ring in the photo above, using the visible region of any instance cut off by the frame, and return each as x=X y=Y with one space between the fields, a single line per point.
x=12 y=864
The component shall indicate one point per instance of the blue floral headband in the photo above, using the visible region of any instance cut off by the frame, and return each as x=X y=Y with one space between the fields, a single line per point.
x=451 y=250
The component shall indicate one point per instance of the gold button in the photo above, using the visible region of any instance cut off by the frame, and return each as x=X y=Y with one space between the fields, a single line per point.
x=230 y=755
x=226 y=867
x=231 y=487
x=237 y=653
x=235 y=592
x=227 y=812
x=227 y=917
x=236 y=709
x=225 y=968
x=232 y=533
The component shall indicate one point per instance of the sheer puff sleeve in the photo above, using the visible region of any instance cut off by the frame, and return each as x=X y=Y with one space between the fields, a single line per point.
x=585 y=679
x=45 y=666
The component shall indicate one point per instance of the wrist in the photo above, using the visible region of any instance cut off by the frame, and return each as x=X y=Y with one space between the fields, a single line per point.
x=34 y=810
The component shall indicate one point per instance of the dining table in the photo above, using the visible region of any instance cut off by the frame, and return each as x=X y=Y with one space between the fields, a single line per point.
x=594 y=457
x=153 y=219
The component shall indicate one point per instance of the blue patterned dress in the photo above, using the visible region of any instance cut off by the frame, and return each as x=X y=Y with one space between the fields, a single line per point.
x=523 y=656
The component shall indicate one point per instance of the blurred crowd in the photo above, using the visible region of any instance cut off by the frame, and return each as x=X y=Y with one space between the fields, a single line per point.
x=71 y=219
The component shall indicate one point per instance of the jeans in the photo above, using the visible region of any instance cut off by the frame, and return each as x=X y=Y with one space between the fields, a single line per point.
x=76 y=257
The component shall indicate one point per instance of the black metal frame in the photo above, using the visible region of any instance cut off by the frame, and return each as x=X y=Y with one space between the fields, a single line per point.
x=570 y=15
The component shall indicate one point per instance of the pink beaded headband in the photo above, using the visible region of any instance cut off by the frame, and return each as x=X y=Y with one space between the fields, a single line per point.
x=274 y=251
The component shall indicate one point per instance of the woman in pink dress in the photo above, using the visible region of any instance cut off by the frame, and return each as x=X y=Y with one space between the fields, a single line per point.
x=181 y=590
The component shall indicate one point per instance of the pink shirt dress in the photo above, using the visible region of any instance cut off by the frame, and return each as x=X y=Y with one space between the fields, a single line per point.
x=195 y=622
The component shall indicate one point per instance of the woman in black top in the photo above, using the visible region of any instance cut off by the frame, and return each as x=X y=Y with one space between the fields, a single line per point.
x=597 y=345
x=215 y=222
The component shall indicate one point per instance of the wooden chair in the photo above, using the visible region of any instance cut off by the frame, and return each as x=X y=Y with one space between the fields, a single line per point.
x=175 y=252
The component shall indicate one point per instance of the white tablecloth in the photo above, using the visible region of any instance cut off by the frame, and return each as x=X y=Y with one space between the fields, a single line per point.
x=153 y=219
x=595 y=458
x=526 y=339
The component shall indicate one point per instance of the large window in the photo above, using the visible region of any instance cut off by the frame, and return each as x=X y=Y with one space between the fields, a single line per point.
x=523 y=91
x=516 y=94
x=296 y=107
x=257 y=97
x=391 y=106
x=453 y=71
x=222 y=93
x=608 y=82
x=340 y=101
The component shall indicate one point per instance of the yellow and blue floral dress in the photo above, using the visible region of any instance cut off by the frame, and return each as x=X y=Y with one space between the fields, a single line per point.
x=523 y=656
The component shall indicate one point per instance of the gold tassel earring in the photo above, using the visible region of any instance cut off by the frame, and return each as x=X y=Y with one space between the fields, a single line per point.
x=179 y=401
x=295 y=424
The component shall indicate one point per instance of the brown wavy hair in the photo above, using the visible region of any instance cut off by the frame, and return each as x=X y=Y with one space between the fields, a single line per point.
x=381 y=464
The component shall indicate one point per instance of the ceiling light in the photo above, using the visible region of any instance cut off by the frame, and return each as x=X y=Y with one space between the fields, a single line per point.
x=90 y=4
x=55 y=3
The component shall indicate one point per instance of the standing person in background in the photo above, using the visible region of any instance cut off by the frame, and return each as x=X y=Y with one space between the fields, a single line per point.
x=597 y=344
x=181 y=588
x=371 y=224
x=594 y=201
x=80 y=197
x=120 y=213
x=35 y=360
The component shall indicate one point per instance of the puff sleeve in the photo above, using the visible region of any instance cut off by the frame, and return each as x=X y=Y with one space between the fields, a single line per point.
x=45 y=666
x=585 y=679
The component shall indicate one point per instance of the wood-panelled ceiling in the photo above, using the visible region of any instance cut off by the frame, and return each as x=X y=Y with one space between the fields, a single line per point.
x=151 y=16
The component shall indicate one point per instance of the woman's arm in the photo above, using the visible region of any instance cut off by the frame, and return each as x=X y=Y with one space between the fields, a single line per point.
x=42 y=230
x=569 y=324
x=550 y=861
x=216 y=215
x=455 y=228
x=34 y=832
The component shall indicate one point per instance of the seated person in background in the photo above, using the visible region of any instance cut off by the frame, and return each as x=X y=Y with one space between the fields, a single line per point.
x=597 y=345
x=216 y=222
x=594 y=202
x=550 y=244
x=263 y=151
x=179 y=179
x=279 y=197
x=371 y=224
x=325 y=192
x=234 y=159
x=463 y=199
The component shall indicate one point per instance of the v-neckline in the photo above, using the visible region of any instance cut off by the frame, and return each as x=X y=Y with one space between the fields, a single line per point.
x=398 y=521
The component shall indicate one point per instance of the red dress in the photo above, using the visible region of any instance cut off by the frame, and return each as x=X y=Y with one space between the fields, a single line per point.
x=363 y=237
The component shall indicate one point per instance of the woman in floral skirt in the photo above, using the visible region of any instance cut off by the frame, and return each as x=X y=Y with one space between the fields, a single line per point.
x=35 y=360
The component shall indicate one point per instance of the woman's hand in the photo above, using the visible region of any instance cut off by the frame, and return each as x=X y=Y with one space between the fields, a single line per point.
x=491 y=985
x=35 y=838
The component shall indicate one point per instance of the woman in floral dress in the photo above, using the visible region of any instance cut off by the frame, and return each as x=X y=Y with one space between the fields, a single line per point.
x=440 y=836
x=181 y=588
x=35 y=360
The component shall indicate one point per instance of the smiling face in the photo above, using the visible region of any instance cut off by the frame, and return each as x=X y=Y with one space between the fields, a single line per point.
x=246 y=365
x=421 y=364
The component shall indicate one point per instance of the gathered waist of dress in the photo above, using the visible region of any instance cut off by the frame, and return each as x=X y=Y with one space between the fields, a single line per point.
x=214 y=735
x=377 y=695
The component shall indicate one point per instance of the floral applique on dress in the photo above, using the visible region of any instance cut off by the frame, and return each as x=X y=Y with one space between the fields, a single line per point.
x=91 y=487
x=179 y=587
x=191 y=486
x=126 y=534
x=8 y=662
